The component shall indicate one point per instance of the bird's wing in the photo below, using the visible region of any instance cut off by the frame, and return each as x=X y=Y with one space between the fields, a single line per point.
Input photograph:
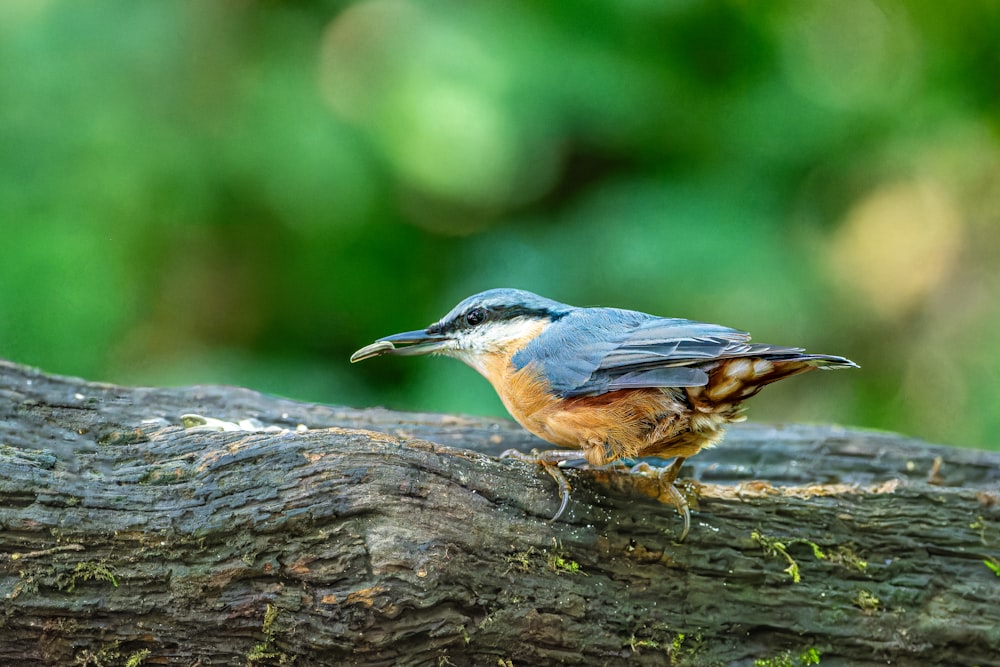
x=595 y=351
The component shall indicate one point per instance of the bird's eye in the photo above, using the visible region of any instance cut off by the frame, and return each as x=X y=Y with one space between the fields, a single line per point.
x=476 y=316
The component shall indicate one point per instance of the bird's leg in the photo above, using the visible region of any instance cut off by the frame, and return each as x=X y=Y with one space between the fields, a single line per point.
x=550 y=461
x=670 y=474
x=666 y=477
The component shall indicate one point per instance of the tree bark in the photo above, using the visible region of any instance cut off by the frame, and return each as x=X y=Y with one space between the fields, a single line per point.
x=372 y=537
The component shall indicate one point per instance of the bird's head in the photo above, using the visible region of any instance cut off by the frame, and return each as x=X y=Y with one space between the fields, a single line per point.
x=481 y=327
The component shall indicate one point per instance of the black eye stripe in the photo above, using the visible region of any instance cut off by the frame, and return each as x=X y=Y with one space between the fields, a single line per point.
x=495 y=314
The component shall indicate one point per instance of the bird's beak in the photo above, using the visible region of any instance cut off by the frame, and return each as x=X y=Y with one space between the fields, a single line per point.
x=413 y=342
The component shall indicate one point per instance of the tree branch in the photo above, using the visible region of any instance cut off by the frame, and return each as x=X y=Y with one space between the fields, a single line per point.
x=381 y=538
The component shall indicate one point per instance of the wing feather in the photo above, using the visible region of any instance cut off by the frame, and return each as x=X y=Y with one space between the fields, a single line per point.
x=597 y=350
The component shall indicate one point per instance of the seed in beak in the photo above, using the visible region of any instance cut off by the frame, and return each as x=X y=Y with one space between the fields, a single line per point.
x=373 y=350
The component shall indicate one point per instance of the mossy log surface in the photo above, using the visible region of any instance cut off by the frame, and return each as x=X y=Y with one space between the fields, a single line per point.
x=382 y=538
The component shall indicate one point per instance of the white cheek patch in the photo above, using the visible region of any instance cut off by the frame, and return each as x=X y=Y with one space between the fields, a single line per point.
x=495 y=336
x=476 y=345
x=471 y=360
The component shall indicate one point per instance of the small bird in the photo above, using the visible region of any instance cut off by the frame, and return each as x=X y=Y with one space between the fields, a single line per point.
x=605 y=382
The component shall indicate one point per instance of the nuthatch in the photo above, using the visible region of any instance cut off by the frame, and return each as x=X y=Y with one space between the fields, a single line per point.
x=606 y=382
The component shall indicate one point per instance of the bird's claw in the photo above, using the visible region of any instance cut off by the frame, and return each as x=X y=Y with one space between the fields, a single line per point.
x=666 y=477
x=549 y=460
x=564 y=488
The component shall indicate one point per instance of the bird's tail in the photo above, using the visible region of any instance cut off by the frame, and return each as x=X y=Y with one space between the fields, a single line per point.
x=821 y=361
x=738 y=378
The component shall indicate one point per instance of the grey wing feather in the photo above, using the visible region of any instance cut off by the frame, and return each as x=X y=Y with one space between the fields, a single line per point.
x=594 y=351
x=684 y=376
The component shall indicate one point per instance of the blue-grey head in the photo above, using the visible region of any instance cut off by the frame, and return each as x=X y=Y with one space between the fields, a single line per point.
x=482 y=325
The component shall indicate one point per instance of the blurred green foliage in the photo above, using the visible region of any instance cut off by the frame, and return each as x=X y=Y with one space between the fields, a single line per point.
x=246 y=192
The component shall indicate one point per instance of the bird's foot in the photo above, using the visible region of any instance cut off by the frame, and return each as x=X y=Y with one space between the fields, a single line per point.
x=668 y=492
x=550 y=461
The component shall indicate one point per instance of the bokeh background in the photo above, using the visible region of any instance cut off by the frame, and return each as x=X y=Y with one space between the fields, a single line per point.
x=246 y=191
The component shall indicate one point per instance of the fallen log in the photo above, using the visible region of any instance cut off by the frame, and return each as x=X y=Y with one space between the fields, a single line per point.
x=315 y=535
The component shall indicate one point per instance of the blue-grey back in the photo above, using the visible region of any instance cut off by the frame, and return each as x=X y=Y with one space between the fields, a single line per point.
x=594 y=350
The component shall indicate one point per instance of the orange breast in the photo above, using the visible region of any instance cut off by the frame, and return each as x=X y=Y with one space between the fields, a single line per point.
x=632 y=423
x=619 y=424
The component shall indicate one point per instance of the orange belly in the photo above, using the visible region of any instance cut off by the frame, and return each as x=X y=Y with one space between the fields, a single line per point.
x=628 y=423
x=632 y=423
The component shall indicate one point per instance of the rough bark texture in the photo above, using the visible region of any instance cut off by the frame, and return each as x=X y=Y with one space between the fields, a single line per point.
x=385 y=538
